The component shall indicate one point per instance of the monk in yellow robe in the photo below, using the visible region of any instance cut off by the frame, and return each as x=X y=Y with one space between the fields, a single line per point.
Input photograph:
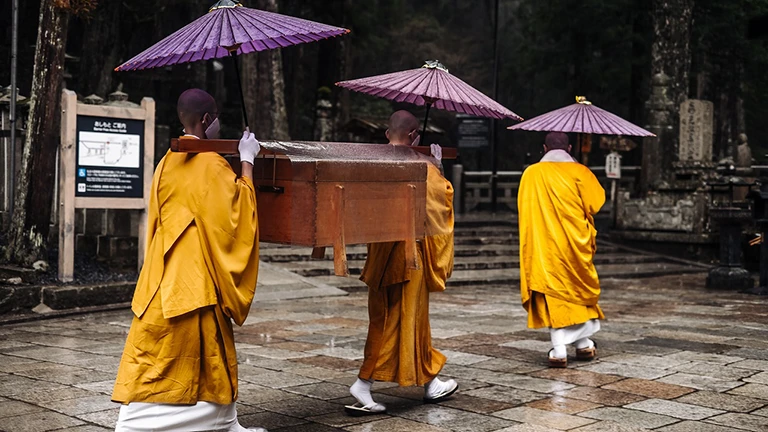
x=556 y=202
x=399 y=344
x=178 y=371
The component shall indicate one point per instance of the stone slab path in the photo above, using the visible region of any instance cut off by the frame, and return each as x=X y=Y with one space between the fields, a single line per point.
x=673 y=358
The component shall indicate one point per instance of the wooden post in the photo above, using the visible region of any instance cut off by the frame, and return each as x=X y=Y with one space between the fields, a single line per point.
x=411 y=255
x=614 y=207
x=67 y=186
x=148 y=105
x=339 y=246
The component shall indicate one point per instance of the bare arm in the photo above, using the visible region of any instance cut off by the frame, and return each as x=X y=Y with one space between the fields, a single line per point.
x=246 y=170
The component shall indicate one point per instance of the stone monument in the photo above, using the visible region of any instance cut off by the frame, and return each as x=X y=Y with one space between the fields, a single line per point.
x=677 y=166
x=696 y=127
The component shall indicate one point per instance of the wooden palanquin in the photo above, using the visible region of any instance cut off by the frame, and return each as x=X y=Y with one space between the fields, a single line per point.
x=333 y=194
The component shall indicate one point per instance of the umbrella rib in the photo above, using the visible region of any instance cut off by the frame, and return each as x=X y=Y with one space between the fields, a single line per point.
x=413 y=86
x=254 y=18
x=606 y=119
x=619 y=123
x=189 y=44
x=162 y=54
x=184 y=34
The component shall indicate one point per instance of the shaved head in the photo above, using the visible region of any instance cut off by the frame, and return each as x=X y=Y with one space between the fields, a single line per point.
x=193 y=105
x=557 y=141
x=402 y=124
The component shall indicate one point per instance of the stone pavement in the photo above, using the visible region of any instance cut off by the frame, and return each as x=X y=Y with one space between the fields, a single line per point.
x=486 y=252
x=673 y=357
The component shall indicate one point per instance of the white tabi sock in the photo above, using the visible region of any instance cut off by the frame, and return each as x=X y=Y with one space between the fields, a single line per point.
x=238 y=428
x=559 y=352
x=361 y=390
x=584 y=343
x=436 y=387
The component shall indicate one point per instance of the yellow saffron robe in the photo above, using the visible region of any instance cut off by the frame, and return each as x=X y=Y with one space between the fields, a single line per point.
x=556 y=203
x=200 y=275
x=399 y=344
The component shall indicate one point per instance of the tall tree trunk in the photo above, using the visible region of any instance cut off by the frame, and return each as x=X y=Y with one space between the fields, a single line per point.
x=670 y=56
x=34 y=190
x=100 y=51
x=199 y=69
x=264 y=88
x=639 y=73
x=344 y=45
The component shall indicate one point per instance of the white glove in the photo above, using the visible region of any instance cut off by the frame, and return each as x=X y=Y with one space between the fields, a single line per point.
x=437 y=151
x=249 y=147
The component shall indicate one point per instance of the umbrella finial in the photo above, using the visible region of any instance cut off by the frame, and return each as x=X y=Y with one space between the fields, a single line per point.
x=435 y=64
x=225 y=4
x=583 y=100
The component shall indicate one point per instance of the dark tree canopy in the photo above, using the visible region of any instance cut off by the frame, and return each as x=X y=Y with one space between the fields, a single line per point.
x=550 y=51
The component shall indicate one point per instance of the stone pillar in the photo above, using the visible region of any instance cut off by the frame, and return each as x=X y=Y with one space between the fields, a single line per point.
x=323 y=120
x=458 y=171
x=660 y=121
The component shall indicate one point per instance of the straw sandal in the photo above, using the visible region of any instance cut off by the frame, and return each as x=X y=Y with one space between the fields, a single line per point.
x=587 y=354
x=360 y=410
x=555 y=362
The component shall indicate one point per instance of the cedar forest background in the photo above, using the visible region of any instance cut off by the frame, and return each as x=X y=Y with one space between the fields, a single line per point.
x=550 y=51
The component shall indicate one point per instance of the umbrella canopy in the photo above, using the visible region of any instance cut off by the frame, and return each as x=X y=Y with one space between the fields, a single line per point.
x=228 y=27
x=582 y=117
x=431 y=85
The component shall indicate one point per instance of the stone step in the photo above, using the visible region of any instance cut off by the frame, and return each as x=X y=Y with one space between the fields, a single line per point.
x=511 y=276
x=605 y=271
x=472 y=220
x=485 y=231
x=325 y=267
x=359 y=252
x=283 y=254
x=480 y=240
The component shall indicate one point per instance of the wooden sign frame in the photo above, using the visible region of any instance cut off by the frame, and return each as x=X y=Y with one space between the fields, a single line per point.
x=68 y=202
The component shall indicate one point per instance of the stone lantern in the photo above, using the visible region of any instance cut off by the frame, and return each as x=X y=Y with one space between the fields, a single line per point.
x=760 y=216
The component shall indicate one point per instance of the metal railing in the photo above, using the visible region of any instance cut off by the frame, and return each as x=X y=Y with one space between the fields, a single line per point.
x=473 y=188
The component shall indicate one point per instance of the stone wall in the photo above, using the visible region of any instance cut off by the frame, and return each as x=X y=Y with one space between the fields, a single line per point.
x=108 y=235
x=671 y=212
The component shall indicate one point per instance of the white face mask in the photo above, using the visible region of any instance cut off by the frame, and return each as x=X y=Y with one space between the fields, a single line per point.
x=212 y=131
x=416 y=141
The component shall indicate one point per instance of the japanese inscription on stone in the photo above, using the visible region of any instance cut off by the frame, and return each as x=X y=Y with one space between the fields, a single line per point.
x=696 y=125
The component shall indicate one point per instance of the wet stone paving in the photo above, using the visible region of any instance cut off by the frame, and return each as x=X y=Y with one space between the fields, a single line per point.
x=673 y=357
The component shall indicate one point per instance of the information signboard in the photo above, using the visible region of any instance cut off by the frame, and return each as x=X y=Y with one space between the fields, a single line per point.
x=106 y=160
x=110 y=155
x=473 y=132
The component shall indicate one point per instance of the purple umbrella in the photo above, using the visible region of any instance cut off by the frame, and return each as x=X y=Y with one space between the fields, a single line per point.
x=582 y=117
x=229 y=29
x=430 y=85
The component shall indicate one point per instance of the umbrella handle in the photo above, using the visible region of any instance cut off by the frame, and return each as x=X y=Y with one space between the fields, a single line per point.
x=233 y=56
x=424 y=128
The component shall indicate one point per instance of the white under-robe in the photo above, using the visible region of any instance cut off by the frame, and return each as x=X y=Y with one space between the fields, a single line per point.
x=155 y=417
x=568 y=335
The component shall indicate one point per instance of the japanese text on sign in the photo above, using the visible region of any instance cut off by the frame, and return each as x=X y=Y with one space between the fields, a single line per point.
x=613 y=166
x=109 y=157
